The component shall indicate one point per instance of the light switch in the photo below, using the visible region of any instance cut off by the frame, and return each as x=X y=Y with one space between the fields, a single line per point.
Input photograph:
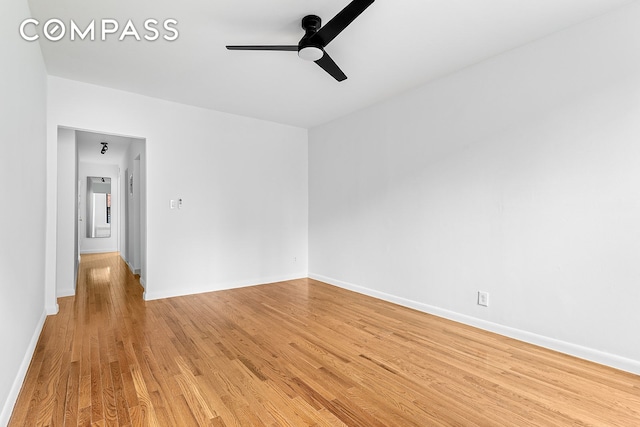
x=173 y=204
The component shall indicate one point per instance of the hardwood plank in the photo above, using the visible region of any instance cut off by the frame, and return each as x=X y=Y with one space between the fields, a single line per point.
x=295 y=353
x=84 y=417
x=48 y=398
x=122 y=409
x=97 y=412
x=72 y=393
x=146 y=414
x=192 y=394
x=109 y=411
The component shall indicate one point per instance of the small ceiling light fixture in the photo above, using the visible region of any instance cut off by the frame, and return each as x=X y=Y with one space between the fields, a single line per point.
x=311 y=53
x=104 y=147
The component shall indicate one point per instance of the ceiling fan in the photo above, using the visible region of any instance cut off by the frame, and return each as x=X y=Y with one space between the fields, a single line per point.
x=317 y=37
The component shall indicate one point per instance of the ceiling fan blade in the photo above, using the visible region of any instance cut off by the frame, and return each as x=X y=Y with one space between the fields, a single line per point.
x=291 y=48
x=339 y=22
x=327 y=64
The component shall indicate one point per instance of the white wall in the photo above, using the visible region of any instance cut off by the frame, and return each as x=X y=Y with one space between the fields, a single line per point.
x=22 y=205
x=66 y=267
x=130 y=246
x=102 y=244
x=243 y=182
x=518 y=176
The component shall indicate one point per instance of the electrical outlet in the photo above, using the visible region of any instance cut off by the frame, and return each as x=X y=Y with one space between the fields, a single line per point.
x=295 y=259
x=483 y=299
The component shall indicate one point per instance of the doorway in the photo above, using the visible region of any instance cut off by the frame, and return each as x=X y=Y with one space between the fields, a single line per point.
x=84 y=167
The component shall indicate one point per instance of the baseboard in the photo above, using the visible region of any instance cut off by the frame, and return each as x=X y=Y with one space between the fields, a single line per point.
x=98 y=251
x=586 y=353
x=200 y=289
x=132 y=269
x=7 y=409
x=52 y=309
x=61 y=293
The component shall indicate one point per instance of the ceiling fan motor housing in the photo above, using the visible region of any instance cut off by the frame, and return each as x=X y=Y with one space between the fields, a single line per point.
x=311 y=24
x=308 y=49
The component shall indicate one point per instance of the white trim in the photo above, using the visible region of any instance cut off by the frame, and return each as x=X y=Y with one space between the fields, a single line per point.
x=148 y=296
x=97 y=251
x=579 y=351
x=131 y=268
x=7 y=409
x=66 y=292
x=52 y=309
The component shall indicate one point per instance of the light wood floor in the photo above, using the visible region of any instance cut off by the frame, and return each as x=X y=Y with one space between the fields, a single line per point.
x=299 y=353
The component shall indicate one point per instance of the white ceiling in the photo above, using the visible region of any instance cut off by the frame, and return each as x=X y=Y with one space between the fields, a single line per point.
x=90 y=145
x=392 y=47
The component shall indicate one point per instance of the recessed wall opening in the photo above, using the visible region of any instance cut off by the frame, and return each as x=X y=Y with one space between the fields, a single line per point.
x=101 y=200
